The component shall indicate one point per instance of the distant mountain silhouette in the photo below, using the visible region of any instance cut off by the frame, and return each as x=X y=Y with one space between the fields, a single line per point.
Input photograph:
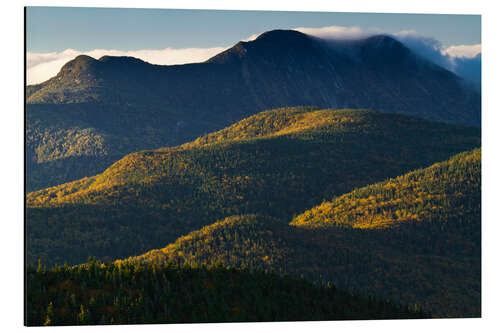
x=109 y=107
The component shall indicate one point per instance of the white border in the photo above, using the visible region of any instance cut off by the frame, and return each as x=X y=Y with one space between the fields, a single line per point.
x=12 y=160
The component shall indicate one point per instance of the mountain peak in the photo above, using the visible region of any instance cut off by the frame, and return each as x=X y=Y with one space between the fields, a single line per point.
x=282 y=38
x=80 y=69
x=270 y=42
x=281 y=34
x=121 y=60
x=83 y=58
x=80 y=64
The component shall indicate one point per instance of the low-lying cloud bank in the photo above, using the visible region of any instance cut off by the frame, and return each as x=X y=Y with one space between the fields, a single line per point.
x=339 y=32
x=464 y=60
x=42 y=66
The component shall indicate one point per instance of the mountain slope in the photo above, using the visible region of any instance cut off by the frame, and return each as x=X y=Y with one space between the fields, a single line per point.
x=134 y=105
x=444 y=191
x=429 y=258
x=94 y=294
x=150 y=198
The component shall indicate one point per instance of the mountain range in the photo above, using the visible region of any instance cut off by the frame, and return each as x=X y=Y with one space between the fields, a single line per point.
x=243 y=186
x=281 y=162
x=96 y=111
x=212 y=192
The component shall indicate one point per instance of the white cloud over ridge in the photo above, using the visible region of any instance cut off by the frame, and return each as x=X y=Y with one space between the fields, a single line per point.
x=463 y=51
x=465 y=60
x=355 y=32
x=338 y=32
x=455 y=51
x=42 y=66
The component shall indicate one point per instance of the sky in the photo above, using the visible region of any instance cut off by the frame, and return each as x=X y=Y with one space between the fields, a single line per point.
x=55 y=35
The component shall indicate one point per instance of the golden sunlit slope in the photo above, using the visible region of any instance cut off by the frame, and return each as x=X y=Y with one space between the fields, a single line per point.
x=304 y=123
x=285 y=121
x=300 y=158
x=444 y=191
x=239 y=240
x=94 y=111
x=431 y=257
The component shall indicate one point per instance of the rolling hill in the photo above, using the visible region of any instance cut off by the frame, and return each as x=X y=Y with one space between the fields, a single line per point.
x=97 y=294
x=443 y=192
x=95 y=111
x=278 y=163
x=417 y=243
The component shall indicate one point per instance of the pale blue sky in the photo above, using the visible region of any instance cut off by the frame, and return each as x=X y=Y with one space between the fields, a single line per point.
x=53 y=29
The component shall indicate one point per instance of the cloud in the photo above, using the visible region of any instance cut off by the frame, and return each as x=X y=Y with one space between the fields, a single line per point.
x=427 y=47
x=463 y=51
x=464 y=60
x=337 y=32
x=42 y=66
x=329 y=32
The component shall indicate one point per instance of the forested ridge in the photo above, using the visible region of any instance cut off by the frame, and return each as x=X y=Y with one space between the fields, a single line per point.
x=445 y=191
x=97 y=293
x=415 y=243
x=65 y=142
x=279 y=163
x=195 y=207
x=95 y=111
